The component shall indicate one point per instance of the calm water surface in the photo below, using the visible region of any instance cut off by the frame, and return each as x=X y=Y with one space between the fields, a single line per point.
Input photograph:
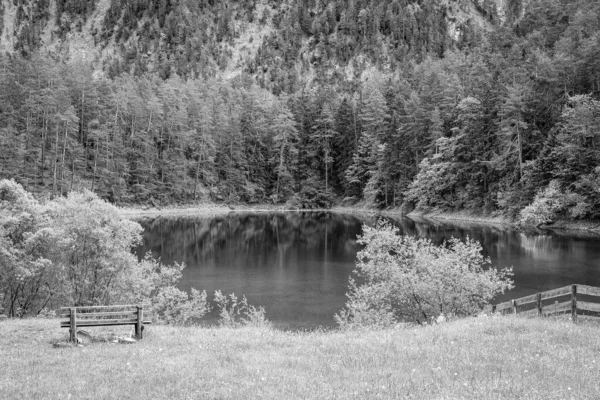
x=297 y=264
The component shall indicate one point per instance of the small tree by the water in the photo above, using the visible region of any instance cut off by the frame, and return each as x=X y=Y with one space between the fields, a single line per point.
x=76 y=250
x=405 y=279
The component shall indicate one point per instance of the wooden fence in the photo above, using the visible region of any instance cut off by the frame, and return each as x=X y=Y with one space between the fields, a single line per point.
x=572 y=299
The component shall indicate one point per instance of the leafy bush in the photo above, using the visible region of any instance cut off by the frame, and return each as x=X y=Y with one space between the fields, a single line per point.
x=312 y=195
x=551 y=202
x=78 y=251
x=27 y=277
x=173 y=306
x=405 y=279
x=234 y=313
x=432 y=185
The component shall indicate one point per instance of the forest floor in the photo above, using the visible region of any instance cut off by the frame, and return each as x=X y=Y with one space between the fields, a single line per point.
x=474 y=358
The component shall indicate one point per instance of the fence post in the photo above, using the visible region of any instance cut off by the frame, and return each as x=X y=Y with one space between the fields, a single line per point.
x=73 y=323
x=539 y=304
x=514 y=307
x=574 y=303
x=139 y=322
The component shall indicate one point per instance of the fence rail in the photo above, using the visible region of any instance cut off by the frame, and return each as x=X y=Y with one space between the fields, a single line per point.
x=573 y=299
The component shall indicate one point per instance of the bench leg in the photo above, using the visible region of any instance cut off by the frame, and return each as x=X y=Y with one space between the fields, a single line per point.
x=139 y=325
x=73 y=325
x=139 y=331
x=73 y=335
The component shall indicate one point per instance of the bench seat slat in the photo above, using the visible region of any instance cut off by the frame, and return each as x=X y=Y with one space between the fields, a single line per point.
x=101 y=314
x=125 y=318
x=106 y=322
x=133 y=307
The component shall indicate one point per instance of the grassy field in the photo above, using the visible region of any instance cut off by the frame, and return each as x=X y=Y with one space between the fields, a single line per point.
x=479 y=358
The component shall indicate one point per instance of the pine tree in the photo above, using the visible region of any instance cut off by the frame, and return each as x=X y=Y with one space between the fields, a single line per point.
x=285 y=152
x=366 y=171
x=512 y=127
x=324 y=132
x=436 y=131
x=344 y=143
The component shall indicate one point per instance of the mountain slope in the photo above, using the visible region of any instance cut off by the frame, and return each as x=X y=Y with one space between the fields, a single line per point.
x=277 y=42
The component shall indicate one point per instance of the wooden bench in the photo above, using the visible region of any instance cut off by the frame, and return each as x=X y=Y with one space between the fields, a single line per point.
x=104 y=316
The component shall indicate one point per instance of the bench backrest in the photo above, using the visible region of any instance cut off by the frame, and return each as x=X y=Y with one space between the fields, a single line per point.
x=74 y=317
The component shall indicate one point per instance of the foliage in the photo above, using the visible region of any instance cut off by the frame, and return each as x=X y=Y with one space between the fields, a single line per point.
x=432 y=186
x=404 y=279
x=235 y=313
x=27 y=276
x=174 y=306
x=76 y=250
x=312 y=195
x=345 y=99
x=551 y=202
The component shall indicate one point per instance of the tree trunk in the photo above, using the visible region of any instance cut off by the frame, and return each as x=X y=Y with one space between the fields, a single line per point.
x=95 y=164
x=72 y=173
x=43 y=148
x=55 y=164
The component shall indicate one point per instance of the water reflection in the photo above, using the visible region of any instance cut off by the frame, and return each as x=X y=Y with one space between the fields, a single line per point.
x=297 y=264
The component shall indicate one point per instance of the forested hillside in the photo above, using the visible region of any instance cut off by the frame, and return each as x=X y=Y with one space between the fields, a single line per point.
x=486 y=106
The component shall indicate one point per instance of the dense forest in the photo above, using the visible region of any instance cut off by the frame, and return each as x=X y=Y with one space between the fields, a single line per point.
x=456 y=105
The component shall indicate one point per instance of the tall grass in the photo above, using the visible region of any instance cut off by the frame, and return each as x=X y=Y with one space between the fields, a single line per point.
x=479 y=358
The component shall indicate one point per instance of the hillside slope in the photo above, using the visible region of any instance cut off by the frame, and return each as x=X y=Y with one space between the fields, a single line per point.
x=278 y=42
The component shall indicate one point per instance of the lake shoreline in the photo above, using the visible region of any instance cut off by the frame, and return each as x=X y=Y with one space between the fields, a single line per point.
x=560 y=226
x=214 y=209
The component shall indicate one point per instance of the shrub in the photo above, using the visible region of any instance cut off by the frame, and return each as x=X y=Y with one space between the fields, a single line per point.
x=404 y=279
x=312 y=195
x=432 y=185
x=234 y=313
x=173 y=306
x=551 y=202
x=27 y=277
x=78 y=251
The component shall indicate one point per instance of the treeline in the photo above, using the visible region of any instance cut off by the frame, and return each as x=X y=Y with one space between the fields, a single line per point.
x=496 y=126
x=130 y=139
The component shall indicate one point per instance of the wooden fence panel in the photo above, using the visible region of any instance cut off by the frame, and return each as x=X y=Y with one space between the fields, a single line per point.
x=556 y=301
x=556 y=292
x=527 y=299
x=588 y=290
x=587 y=306
x=557 y=308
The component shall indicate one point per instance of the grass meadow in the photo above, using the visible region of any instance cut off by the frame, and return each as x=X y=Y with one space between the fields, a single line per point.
x=477 y=358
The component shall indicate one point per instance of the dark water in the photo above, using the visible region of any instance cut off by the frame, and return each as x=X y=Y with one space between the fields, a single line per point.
x=297 y=264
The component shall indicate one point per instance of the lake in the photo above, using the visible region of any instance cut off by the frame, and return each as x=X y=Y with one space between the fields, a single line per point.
x=297 y=264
